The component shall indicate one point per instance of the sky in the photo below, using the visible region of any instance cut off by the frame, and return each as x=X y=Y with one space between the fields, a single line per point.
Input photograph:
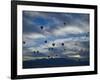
x=72 y=29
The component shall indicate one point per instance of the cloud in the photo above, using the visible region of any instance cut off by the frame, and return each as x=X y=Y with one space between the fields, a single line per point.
x=34 y=36
x=53 y=21
x=69 y=28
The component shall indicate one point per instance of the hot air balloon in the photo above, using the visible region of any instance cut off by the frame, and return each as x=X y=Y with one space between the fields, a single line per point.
x=33 y=51
x=48 y=48
x=24 y=42
x=53 y=44
x=45 y=41
x=62 y=44
x=37 y=51
x=48 y=56
x=51 y=48
x=64 y=23
x=41 y=27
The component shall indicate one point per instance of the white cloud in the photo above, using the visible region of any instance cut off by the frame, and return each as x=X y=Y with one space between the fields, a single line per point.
x=34 y=36
x=68 y=30
x=30 y=39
